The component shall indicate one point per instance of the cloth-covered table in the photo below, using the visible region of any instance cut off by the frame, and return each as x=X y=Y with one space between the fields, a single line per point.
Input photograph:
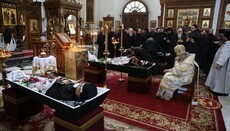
x=44 y=64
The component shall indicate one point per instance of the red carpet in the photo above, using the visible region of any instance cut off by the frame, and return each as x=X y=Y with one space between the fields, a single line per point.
x=148 y=112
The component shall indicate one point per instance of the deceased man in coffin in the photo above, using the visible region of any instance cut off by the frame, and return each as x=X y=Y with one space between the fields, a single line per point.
x=60 y=88
x=67 y=90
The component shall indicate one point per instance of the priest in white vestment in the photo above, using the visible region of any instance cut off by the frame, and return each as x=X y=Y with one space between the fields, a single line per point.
x=219 y=75
x=181 y=74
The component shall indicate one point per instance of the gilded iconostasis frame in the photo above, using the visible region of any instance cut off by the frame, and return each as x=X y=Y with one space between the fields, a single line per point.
x=196 y=12
x=9 y=16
x=90 y=12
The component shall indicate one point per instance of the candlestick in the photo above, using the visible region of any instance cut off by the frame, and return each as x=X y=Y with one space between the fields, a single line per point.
x=106 y=53
x=122 y=28
x=106 y=37
x=121 y=79
x=3 y=58
x=8 y=48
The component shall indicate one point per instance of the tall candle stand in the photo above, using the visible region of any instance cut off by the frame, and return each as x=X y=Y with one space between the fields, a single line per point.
x=121 y=79
x=53 y=43
x=106 y=53
x=94 y=35
x=3 y=58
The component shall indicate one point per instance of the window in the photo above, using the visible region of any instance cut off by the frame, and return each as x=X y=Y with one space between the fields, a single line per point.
x=134 y=6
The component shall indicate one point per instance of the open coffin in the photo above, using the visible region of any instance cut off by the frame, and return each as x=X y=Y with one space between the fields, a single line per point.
x=65 y=108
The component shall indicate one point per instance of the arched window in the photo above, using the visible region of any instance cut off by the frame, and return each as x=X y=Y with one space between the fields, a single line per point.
x=135 y=15
x=135 y=6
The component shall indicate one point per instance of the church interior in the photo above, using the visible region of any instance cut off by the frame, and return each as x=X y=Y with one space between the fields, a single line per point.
x=114 y=65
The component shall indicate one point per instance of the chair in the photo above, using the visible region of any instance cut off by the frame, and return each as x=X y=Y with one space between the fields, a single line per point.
x=191 y=87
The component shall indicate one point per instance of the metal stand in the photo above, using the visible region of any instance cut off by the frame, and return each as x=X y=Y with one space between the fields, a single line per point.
x=3 y=59
x=121 y=79
x=106 y=53
x=94 y=40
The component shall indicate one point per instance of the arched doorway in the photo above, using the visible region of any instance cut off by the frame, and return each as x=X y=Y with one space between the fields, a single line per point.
x=135 y=15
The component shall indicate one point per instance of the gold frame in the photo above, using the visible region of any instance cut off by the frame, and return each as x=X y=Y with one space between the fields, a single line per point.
x=153 y=24
x=89 y=9
x=34 y=26
x=187 y=14
x=100 y=24
x=169 y=23
x=9 y=16
x=117 y=24
x=72 y=28
x=207 y=12
x=170 y=13
x=205 y=24
x=226 y=24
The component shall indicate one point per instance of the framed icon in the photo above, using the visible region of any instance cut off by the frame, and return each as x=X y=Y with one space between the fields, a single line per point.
x=187 y=17
x=169 y=23
x=34 y=26
x=226 y=24
x=100 y=23
x=170 y=12
x=9 y=16
x=89 y=11
x=153 y=24
x=205 y=24
x=207 y=12
x=117 y=24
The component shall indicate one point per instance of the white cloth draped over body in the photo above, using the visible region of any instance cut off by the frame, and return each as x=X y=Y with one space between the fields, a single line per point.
x=181 y=74
x=219 y=79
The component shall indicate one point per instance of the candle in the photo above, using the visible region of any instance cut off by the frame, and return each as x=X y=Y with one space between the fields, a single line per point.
x=8 y=48
x=122 y=27
x=106 y=38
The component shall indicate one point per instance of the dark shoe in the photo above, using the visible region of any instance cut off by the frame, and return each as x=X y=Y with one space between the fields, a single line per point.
x=219 y=94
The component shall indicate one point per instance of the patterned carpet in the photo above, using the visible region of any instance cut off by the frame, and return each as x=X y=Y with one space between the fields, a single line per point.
x=199 y=118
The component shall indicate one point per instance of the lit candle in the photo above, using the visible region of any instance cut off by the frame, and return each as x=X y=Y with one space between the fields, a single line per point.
x=8 y=48
x=4 y=53
x=122 y=27
x=106 y=38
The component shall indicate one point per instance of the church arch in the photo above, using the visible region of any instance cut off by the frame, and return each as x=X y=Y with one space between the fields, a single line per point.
x=135 y=15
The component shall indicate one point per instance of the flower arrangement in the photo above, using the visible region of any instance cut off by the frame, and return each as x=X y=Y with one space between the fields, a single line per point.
x=30 y=80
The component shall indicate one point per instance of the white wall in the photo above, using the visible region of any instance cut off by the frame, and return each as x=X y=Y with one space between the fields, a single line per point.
x=114 y=8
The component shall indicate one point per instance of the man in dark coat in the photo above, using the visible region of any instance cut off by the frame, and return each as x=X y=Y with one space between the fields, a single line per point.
x=153 y=47
x=193 y=40
x=138 y=38
x=128 y=39
x=7 y=34
x=101 y=43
